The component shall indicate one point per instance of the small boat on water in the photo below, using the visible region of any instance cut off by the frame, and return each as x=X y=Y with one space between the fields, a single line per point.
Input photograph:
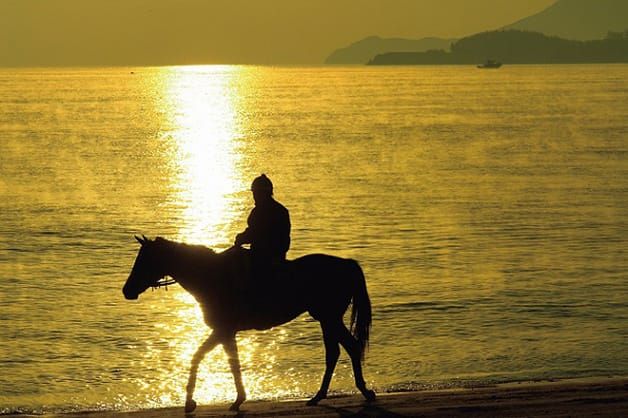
x=490 y=64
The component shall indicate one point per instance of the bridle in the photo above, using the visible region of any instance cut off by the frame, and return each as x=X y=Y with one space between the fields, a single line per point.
x=163 y=282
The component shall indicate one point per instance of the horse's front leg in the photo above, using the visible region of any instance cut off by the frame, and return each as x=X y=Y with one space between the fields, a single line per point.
x=206 y=347
x=231 y=348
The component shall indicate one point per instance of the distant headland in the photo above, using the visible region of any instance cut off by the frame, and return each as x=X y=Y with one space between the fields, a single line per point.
x=362 y=51
x=516 y=47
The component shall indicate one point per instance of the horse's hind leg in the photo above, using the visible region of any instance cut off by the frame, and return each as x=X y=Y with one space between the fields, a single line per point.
x=203 y=349
x=231 y=348
x=332 y=352
x=351 y=345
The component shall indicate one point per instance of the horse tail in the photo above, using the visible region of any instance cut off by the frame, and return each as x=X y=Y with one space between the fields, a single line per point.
x=361 y=309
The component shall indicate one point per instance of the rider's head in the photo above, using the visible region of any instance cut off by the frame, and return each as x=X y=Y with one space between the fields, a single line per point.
x=262 y=188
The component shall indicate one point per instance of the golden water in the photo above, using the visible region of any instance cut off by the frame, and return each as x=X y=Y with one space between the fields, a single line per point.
x=489 y=211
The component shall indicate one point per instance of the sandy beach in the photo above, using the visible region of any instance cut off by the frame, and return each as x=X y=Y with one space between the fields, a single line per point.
x=572 y=398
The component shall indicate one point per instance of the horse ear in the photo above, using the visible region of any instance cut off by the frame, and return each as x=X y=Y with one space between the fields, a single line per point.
x=139 y=240
x=145 y=239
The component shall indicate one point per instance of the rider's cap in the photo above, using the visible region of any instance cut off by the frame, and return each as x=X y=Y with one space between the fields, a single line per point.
x=263 y=184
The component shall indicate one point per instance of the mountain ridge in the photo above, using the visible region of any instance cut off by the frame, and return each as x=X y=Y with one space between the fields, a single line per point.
x=577 y=19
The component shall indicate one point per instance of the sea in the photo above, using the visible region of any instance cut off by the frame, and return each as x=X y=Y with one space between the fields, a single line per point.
x=488 y=209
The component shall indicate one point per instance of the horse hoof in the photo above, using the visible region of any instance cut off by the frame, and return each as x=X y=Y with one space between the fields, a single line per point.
x=315 y=400
x=236 y=405
x=190 y=406
x=369 y=395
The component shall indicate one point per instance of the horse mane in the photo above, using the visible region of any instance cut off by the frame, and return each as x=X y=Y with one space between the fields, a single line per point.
x=195 y=251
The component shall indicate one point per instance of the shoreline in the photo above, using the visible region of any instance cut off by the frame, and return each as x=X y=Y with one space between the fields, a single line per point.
x=586 y=397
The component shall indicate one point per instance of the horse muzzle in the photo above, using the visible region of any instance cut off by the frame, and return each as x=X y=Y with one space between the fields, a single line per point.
x=129 y=294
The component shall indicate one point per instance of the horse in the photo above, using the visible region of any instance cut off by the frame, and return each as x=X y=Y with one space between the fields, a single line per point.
x=322 y=285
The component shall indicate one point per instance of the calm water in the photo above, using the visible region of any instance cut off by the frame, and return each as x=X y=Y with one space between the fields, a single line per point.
x=489 y=210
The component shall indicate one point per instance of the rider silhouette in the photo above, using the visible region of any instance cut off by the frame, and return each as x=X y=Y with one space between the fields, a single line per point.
x=268 y=229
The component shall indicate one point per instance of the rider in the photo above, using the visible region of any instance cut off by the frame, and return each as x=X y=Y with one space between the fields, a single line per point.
x=268 y=229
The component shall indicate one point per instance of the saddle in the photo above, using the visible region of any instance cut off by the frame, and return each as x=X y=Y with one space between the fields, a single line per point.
x=251 y=275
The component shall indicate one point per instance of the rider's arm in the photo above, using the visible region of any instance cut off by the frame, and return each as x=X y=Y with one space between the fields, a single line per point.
x=246 y=236
x=284 y=231
x=243 y=237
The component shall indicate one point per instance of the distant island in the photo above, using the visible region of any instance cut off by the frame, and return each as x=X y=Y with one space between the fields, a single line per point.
x=362 y=51
x=516 y=47
x=580 y=20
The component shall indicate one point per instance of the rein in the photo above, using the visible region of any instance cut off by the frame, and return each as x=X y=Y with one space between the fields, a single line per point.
x=163 y=282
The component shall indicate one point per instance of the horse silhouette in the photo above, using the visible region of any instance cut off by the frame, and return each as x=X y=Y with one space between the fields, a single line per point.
x=322 y=285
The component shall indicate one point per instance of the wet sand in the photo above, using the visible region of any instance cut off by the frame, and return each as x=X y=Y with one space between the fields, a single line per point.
x=572 y=398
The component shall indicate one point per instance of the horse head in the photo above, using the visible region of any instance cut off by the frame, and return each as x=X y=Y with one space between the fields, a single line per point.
x=147 y=270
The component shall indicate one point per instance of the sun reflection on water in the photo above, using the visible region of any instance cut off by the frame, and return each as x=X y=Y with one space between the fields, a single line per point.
x=204 y=108
x=205 y=103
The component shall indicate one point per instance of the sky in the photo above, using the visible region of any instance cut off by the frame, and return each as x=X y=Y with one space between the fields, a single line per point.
x=230 y=31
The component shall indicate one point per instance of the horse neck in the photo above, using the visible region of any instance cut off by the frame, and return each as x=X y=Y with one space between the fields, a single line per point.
x=192 y=271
